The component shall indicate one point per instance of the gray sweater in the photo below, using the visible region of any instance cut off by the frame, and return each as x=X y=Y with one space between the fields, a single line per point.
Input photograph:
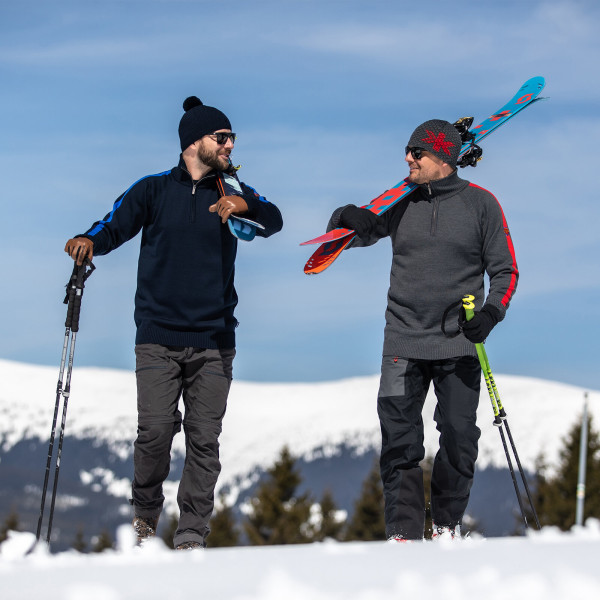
x=445 y=235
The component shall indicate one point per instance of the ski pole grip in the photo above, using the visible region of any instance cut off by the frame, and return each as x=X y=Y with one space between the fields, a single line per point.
x=74 y=294
x=70 y=302
x=76 y=309
x=469 y=306
x=73 y=309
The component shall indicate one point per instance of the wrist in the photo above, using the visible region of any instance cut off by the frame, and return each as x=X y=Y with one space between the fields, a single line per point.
x=492 y=312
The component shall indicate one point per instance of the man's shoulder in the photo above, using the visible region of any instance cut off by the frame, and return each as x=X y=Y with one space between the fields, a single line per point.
x=152 y=177
x=148 y=181
x=478 y=191
x=481 y=200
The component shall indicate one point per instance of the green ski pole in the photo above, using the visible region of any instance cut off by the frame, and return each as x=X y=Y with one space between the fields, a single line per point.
x=500 y=416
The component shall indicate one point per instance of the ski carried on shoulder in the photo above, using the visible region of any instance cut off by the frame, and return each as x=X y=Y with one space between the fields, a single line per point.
x=241 y=228
x=337 y=240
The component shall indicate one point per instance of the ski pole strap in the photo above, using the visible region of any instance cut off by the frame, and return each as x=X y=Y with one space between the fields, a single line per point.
x=75 y=287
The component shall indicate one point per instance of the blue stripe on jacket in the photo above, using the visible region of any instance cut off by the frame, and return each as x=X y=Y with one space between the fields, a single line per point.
x=118 y=202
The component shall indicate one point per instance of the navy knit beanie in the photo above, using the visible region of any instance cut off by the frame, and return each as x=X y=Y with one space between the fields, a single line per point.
x=199 y=120
x=440 y=138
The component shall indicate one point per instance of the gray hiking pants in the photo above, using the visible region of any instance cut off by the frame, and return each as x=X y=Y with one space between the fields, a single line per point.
x=163 y=374
x=402 y=391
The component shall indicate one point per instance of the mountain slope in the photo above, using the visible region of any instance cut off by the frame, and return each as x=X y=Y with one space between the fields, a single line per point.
x=332 y=427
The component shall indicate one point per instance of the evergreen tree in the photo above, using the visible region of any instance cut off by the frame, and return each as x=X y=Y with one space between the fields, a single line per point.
x=223 y=530
x=330 y=526
x=79 y=543
x=103 y=542
x=554 y=497
x=367 y=522
x=10 y=524
x=277 y=514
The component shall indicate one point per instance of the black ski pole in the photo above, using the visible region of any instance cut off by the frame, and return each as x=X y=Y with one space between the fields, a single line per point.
x=73 y=297
x=504 y=419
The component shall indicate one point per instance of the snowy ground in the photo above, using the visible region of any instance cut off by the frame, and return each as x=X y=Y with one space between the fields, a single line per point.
x=546 y=565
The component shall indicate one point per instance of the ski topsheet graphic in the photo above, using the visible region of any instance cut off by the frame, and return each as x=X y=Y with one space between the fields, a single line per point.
x=241 y=228
x=337 y=240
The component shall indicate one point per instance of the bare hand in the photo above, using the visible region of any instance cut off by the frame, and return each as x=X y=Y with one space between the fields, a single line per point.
x=229 y=205
x=79 y=249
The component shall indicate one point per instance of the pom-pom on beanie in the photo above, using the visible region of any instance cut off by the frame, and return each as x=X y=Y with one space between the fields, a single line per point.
x=199 y=120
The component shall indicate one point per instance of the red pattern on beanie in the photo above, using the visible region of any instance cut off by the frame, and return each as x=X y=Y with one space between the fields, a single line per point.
x=439 y=142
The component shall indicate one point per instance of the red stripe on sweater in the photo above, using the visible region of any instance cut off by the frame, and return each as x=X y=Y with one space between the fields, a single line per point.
x=515 y=271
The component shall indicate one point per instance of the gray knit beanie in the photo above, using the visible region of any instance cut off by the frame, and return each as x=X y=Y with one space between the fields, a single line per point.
x=440 y=138
x=199 y=120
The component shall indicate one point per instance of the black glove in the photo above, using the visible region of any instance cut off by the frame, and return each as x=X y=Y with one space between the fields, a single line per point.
x=478 y=328
x=361 y=220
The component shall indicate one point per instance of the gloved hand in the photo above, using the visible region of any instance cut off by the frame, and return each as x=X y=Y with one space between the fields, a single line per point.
x=361 y=220
x=478 y=328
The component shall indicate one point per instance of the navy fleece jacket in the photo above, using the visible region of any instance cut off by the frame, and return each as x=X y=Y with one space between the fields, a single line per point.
x=185 y=285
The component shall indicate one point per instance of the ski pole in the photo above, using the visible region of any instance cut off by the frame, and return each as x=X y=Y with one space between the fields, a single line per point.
x=500 y=418
x=503 y=417
x=73 y=297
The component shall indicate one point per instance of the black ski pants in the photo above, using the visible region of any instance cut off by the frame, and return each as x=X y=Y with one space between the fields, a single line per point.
x=403 y=388
x=203 y=377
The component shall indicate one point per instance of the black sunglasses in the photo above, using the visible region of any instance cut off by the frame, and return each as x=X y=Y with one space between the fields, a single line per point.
x=221 y=137
x=416 y=153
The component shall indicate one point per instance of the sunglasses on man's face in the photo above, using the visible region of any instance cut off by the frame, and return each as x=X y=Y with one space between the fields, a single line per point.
x=221 y=137
x=416 y=153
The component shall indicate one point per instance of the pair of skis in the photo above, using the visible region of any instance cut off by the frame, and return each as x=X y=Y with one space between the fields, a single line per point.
x=334 y=242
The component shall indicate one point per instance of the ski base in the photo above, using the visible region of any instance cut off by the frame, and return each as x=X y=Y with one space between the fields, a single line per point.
x=243 y=229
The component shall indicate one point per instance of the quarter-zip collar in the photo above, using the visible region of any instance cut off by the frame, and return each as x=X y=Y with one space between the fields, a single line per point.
x=184 y=176
x=436 y=191
x=443 y=188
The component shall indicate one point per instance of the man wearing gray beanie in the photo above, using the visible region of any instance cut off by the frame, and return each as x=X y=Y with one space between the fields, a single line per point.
x=184 y=312
x=444 y=235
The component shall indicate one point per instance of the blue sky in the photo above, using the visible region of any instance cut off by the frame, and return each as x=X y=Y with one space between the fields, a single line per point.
x=323 y=95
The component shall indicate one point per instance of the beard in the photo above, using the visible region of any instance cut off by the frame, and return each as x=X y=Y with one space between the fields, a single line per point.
x=212 y=159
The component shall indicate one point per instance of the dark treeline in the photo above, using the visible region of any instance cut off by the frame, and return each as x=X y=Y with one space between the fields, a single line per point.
x=279 y=514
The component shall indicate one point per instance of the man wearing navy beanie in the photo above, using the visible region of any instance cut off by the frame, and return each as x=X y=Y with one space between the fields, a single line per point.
x=184 y=312
x=445 y=235
x=199 y=120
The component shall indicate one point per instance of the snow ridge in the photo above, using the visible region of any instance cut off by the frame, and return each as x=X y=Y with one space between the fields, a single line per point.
x=311 y=418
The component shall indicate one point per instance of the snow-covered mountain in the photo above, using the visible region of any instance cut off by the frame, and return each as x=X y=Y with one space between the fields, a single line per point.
x=331 y=427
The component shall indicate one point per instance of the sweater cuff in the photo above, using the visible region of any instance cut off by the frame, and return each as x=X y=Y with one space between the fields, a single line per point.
x=495 y=313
